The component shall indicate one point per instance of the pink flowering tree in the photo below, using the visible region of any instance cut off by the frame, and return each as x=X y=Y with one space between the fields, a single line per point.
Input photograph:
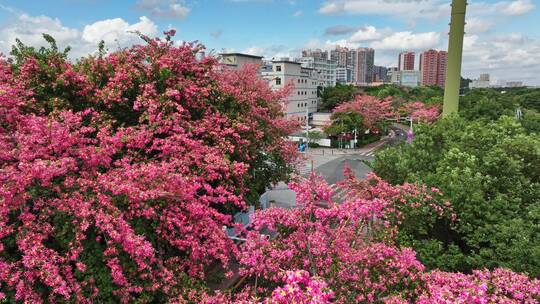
x=118 y=173
x=361 y=114
x=482 y=286
x=354 y=248
x=421 y=112
x=350 y=245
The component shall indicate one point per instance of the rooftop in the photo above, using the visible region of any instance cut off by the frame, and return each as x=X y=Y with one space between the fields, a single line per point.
x=241 y=54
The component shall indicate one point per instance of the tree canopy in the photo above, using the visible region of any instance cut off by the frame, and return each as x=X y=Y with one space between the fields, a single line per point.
x=333 y=96
x=490 y=173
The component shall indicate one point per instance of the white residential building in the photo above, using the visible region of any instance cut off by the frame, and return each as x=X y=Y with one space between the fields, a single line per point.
x=324 y=66
x=304 y=100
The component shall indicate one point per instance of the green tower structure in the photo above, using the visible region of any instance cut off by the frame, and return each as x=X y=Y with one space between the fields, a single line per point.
x=455 y=51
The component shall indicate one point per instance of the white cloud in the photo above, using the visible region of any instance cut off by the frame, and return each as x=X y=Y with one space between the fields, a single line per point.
x=408 y=41
x=115 y=32
x=298 y=14
x=118 y=31
x=405 y=8
x=367 y=33
x=505 y=57
x=174 y=9
x=427 y=9
x=476 y=25
x=515 y=8
x=254 y=50
x=29 y=30
x=271 y=51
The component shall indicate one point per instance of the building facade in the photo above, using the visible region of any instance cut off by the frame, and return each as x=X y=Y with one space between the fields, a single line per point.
x=345 y=62
x=364 y=63
x=406 y=61
x=409 y=78
x=380 y=74
x=304 y=100
x=344 y=75
x=237 y=60
x=326 y=68
x=433 y=67
x=393 y=75
x=481 y=82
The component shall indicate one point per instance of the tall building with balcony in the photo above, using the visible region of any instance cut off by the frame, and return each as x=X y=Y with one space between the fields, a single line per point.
x=433 y=67
x=363 y=65
x=303 y=100
x=406 y=61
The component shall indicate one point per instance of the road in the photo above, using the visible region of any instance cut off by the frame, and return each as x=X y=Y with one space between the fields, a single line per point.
x=330 y=164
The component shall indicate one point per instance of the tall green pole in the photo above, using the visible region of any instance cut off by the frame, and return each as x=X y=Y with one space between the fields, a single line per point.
x=455 y=50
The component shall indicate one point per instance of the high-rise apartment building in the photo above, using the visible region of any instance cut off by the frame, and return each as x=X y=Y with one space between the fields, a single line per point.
x=363 y=67
x=340 y=56
x=380 y=74
x=433 y=67
x=345 y=61
x=406 y=61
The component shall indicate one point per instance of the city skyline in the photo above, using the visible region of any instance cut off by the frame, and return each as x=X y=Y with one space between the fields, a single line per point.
x=507 y=48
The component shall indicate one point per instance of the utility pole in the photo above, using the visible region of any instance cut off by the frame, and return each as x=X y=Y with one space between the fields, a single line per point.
x=354 y=138
x=455 y=52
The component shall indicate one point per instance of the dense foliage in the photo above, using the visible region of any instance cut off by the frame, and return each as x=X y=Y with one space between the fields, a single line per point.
x=118 y=173
x=427 y=94
x=490 y=104
x=333 y=96
x=353 y=248
x=490 y=171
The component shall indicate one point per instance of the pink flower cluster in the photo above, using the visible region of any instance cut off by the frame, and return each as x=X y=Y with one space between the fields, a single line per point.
x=482 y=286
x=421 y=112
x=129 y=164
x=300 y=288
x=372 y=109
x=343 y=244
x=351 y=247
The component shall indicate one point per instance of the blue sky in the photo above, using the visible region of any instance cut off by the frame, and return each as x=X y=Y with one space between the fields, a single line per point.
x=502 y=35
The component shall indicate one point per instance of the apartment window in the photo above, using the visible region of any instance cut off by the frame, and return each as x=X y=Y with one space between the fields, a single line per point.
x=278 y=81
x=278 y=68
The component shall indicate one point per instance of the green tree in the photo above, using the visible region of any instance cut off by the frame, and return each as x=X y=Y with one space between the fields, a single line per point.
x=334 y=96
x=490 y=172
